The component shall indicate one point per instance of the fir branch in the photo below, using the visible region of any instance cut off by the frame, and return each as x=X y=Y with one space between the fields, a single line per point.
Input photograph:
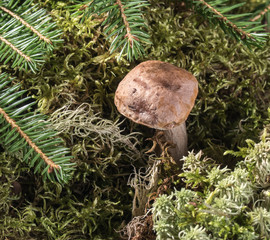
x=28 y=134
x=227 y=21
x=42 y=37
x=236 y=25
x=262 y=13
x=27 y=34
x=27 y=58
x=29 y=141
x=20 y=48
x=129 y=34
x=124 y=23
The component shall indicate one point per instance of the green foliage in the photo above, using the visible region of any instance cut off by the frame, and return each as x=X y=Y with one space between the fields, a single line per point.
x=27 y=134
x=225 y=205
x=76 y=86
x=124 y=24
x=27 y=34
x=10 y=171
x=237 y=25
x=54 y=212
x=257 y=160
x=85 y=73
x=123 y=21
x=262 y=12
x=89 y=206
x=233 y=81
x=8 y=174
x=75 y=90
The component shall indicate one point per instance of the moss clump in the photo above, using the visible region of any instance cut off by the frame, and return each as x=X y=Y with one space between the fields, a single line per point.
x=234 y=85
x=218 y=203
x=231 y=107
x=97 y=199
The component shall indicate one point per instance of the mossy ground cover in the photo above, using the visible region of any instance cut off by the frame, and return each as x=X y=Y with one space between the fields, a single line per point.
x=76 y=88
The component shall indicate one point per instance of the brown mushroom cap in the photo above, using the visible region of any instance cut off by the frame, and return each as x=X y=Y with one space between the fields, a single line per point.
x=157 y=94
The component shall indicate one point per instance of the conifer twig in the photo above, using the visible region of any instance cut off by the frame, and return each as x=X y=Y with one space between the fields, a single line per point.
x=263 y=12
x=124 y=23
x=27 y=34
x=47 y=40
x=27 y=58
x=123 y=15
x=227 y=21
x=13 y=124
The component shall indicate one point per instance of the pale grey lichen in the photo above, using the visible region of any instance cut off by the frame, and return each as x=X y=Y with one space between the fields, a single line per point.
x=83 y=122
x=220 y=203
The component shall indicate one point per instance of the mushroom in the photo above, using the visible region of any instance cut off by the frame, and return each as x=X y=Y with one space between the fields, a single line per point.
x=159 y=95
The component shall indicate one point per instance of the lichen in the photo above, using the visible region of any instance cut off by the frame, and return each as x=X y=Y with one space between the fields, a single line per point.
x=230 y=108
x=226 y=207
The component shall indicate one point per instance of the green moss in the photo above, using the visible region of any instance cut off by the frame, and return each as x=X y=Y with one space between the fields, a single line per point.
x=231 y=107
x=223 y=204
x=233 y=81
x=97 y=200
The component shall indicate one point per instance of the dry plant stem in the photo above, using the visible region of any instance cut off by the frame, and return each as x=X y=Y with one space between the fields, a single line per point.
x=47 y=40
x=27 y=58
x=144 y=184
x=178 y=138
x=29 y=141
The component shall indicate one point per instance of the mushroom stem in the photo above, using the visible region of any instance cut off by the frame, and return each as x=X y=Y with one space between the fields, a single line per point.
x=178 y=138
